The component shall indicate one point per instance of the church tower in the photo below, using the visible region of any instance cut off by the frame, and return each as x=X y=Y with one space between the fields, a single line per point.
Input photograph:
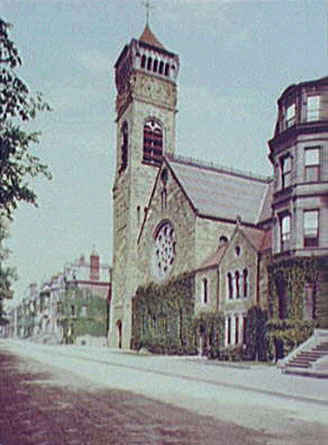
x=145 y=77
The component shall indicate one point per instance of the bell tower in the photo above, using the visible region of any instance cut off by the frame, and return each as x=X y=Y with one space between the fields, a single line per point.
x=145 y=78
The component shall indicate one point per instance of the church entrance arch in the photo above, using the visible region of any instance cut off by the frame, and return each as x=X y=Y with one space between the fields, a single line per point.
x=119 y=333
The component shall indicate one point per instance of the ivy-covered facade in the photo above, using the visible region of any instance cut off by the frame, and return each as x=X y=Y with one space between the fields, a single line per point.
x=80 y=315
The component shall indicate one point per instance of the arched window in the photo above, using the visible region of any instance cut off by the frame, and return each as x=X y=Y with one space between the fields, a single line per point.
x=153 y=142
x=161 y=67
x=149 y=63
x=223 y=240
x=138 y=215
x=244 y=329
x=236 y=329
x=205 y=291
x=124 y=146
x=167 y=69
x=237 y=277
x=155 y=66
x=164 y=198
x=230 y=286
x=229 y=330
x=285 y=230
x=245 y=283
x=143 y=61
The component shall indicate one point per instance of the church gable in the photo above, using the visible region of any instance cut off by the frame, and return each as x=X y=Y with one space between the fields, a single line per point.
x=166 y=243
x=238 y=272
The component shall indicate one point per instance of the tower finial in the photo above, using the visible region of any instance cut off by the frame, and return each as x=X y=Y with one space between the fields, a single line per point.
x=147 y=4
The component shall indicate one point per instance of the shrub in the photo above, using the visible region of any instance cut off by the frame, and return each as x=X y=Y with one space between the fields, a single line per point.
x=285 y=335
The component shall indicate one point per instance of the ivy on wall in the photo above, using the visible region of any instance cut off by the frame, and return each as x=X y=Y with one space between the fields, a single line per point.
x=82 y=314
x=291 y=274
x=256 y=328
x=210 y=327
x=286 y=328
x=162 y=317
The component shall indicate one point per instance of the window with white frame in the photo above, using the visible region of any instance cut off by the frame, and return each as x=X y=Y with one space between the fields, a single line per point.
x=313 y=108
x=84 y=309
x=285 y=232
x=290 y=115
x=311 y=228
x=286 y=171
x=312 y=164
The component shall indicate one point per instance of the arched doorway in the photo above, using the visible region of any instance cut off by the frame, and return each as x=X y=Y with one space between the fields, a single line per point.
x=119 y=333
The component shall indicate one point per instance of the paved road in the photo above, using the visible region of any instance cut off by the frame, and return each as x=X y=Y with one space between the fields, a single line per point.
x=288 y=409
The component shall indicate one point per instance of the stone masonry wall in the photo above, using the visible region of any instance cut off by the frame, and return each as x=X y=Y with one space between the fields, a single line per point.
x=182 y=218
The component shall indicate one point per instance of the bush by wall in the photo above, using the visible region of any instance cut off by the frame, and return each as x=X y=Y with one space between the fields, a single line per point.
x=285 y=335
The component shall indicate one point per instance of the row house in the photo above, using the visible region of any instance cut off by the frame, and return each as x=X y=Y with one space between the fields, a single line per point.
x=41 y=315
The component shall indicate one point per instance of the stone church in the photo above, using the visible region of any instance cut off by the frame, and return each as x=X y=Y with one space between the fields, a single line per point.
x=174 y=215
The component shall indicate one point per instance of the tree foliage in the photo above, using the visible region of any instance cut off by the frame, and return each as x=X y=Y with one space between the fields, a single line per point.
x=17 y=106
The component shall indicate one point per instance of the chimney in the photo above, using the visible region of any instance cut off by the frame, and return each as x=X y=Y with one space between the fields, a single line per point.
x=94 y=266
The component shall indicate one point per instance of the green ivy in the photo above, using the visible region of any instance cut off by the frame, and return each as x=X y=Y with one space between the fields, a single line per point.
x=285 y=335
x=293 y=273
x=162 y=317
x=93 y=323
x=256 y=328
x=211 y=326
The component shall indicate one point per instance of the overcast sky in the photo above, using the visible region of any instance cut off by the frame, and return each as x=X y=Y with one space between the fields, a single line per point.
x=236 y=58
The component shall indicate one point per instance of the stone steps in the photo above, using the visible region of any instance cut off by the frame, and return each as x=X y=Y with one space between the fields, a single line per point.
x=306 y=358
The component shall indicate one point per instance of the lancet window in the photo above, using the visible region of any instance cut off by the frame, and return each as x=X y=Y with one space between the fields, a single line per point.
x=153 y=142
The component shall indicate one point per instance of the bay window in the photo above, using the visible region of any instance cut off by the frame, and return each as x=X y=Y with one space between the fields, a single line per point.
x=313 y=108
x=312 y=164
x=311 y=228
x=285 y=232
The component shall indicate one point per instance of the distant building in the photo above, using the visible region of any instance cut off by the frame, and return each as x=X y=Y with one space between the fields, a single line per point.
x=41 y=314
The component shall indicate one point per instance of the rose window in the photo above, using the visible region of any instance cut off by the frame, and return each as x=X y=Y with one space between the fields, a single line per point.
x=164 y=250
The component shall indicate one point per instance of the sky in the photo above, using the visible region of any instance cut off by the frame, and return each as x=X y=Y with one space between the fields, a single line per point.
x=236 y=58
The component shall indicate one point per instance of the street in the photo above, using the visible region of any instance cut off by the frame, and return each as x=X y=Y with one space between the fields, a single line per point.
x=103 y=396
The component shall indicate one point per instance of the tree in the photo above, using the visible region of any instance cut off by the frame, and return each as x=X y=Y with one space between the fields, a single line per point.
x=17 y=106
x=17 y=163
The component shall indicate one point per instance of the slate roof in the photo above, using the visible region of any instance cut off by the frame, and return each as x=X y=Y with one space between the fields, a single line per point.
x=222 y=193
x=261 y=240
x=214 y=259
x=149 y=37
x=266 y=211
